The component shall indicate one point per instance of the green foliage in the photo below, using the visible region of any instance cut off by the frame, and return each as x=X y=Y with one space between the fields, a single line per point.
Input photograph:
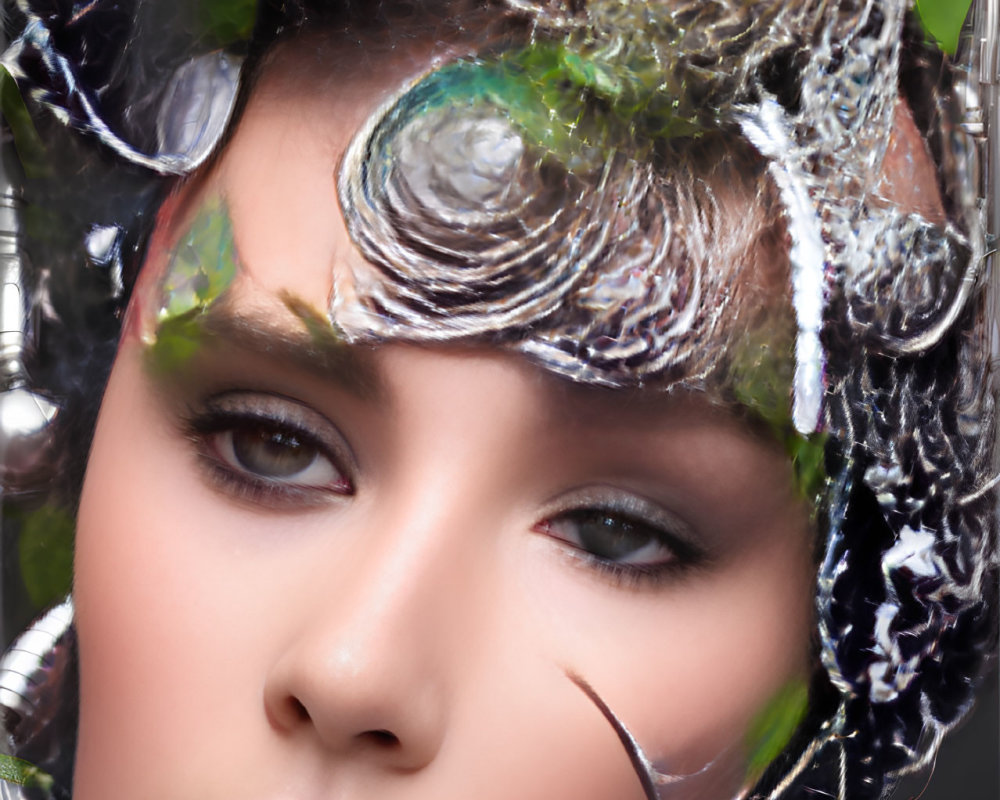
x=772 y=729
x=226 y=22
x=942 y=20
x=28 y=143
x=578 y=106
x=23 y=773
x=201 y=268
x=178 y=340
x=808 y=464
x=323 y=332
x=46 y=554
x=762 y=383
x=203 y=263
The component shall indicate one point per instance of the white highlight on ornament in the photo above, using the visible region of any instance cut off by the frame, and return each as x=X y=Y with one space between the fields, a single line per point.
x=764 y=128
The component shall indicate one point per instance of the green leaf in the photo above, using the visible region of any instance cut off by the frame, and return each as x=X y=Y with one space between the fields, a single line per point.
x=809 y=464
x=772 y=728
x=227 y=22
x=178 y=340
x=203 y=263
x=943 y=19
x=321 y=329
x=24 y=773
x=28 y=143
x=46 y=554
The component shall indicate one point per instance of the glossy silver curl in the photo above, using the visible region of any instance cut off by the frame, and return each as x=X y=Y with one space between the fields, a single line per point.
x=467 y=229
x=470 y=231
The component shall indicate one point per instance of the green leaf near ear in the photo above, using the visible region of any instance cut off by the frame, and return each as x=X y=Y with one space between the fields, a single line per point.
x=46 y=554
x=943 y=19
x=772 y=729
x=24 y=773
x=28 y=143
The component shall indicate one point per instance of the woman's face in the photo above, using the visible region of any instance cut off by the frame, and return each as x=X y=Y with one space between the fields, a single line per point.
x=307 y=569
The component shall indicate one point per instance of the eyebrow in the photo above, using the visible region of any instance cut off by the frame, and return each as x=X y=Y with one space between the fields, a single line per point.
x=316 y=350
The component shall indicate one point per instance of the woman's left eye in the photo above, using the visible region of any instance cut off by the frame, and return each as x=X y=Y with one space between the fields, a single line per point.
x=625 y=536
x=611 y=537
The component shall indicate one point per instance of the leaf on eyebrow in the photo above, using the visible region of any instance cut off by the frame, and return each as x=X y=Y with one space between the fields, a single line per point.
x=329 y=343
x=772 y=729
x=24 y=773
x=178 y=340
x=203 y=263
x=324 y=332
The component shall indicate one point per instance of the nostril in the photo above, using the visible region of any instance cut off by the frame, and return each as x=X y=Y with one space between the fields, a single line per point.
x=382 y=738
x=287 y=714
x=298 y=711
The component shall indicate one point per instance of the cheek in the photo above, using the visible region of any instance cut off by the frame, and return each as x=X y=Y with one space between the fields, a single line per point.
x=160 y=656
x=688 y=668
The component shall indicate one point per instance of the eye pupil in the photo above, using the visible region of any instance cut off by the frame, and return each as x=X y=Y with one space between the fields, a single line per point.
x=272 y=453
x=611 y=537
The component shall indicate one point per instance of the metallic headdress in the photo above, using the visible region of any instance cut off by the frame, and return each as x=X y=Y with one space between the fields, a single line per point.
x=526 y=197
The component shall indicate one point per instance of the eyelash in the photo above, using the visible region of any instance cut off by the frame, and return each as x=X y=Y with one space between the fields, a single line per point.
x=272 y=419
x=637 y=513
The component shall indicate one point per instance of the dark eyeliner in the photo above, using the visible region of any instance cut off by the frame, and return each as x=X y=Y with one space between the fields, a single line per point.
x=251 y=411
x=664 y=527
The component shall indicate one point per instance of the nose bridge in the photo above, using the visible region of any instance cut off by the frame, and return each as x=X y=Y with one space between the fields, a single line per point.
x=375 y=665
x=403 y=590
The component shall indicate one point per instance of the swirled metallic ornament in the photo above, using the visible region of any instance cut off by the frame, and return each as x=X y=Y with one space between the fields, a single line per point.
x=492 y=188
x=469 y=229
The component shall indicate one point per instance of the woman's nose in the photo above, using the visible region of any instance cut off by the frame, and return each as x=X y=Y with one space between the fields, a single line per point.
x=357 y=704
x=366 y=673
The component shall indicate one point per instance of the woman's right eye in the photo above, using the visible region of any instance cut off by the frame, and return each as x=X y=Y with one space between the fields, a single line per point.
x=270 y=450
x=280 y=455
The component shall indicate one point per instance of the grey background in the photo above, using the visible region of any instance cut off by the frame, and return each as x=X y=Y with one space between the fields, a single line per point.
x=968 y=767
